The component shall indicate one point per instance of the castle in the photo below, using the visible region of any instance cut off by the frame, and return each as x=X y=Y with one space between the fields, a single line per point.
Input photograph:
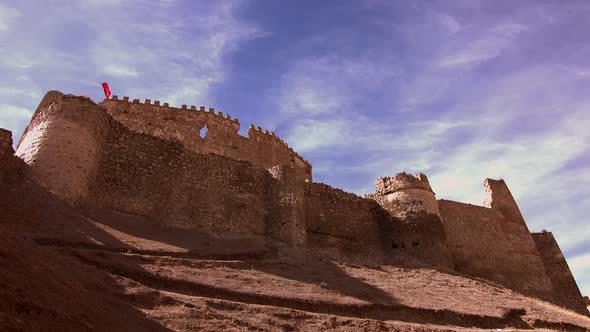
x=154 y=160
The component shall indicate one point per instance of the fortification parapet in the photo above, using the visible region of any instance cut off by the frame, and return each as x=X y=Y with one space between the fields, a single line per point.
x=186 y=125
x=407 y=195
x=388 y=185
x=264 y=135
x=124 y=105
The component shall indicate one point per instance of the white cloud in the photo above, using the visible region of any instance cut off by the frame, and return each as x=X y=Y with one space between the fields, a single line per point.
x=144 y=49
x=12 y=115
x=119 y=71
x=580 y=267
x=7 y=14
x=11 y=59
x=523 y=162
x=328 y=84
x=449 y=23
x=484 y=47
x=311 y=135
x=526 y=157
x=191 y=91
x=174 y=53
x=31 y=93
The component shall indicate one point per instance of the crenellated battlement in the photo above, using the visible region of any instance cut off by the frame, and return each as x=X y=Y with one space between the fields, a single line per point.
x=257 y=131
x=185 y=124
x=166 y=106
x=401 y=181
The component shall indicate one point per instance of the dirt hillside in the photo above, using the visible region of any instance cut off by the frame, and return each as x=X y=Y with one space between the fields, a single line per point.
x=64 y=268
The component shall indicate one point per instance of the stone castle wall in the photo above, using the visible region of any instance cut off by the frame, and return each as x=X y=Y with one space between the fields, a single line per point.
x=171 y=185
x=80 y=153
x=565 y=290
x=150 y=160
x=162 y=180
x=486 y=244
x=338 y=219
x=187 y=125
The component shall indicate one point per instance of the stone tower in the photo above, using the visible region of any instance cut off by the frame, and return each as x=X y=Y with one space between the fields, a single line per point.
x=63 y=144
x=417 y=224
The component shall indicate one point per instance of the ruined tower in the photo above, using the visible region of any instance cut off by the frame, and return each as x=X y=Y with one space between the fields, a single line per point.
x=500 y=198
x=416 y=219
x=565 y=290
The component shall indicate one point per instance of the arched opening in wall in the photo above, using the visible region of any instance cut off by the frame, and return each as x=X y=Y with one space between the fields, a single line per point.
x=203 y=131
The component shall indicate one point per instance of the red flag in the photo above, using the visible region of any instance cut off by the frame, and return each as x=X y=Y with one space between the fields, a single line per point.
x=107 y=90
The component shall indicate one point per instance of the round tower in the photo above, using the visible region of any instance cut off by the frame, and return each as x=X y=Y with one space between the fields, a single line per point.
x=406 y=195
x=63 y=144
x=417 y=225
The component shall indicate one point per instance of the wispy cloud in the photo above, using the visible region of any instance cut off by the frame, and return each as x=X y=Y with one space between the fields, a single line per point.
x=329 y=84
x=11 y=116
x=166 y=50
x=309 y=135
x=580 y=266
x=484 y=47
x=115 y=70
x=449 y=22
x=7 y=14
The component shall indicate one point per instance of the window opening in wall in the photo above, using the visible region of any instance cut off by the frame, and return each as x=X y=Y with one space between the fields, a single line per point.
x=203 y=131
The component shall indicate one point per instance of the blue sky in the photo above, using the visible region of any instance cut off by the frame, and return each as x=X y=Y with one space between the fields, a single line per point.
x=459 y=90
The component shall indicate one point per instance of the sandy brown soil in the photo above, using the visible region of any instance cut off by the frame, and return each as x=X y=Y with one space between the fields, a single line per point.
x=80 y=269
